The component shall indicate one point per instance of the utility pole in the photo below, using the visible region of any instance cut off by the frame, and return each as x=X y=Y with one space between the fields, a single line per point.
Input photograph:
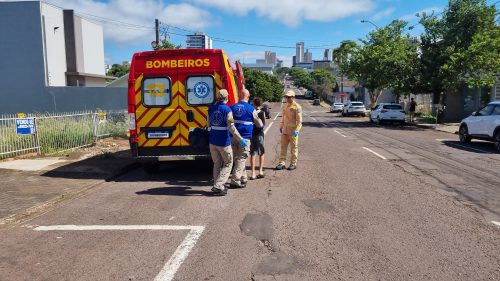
x=157 y=30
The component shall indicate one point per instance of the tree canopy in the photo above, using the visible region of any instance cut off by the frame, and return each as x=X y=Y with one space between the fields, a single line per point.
x=260 y=84
x=118 y=70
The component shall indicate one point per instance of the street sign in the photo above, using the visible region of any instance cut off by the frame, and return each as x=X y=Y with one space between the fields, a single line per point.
x=25 y=126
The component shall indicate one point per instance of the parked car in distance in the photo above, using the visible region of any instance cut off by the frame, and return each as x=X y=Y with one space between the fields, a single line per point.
x=483 y=125
x=316 y=101
x=308 y=95
x=354 y=108
x=337 y=107
x=388 y=112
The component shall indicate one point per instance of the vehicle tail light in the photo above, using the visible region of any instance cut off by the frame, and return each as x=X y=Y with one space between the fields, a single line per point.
x=131 y=121
x=384 y=110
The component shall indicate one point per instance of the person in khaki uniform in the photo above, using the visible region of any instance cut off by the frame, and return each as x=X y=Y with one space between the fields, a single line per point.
x=291 y=123
x=220 y=123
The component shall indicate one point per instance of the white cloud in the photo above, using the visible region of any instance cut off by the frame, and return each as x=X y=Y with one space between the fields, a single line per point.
x=293 y=12
x=140 y=14
x=383 y=14
x=411 y=17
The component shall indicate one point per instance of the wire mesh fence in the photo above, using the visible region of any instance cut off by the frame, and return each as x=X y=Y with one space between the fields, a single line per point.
x=57 y=132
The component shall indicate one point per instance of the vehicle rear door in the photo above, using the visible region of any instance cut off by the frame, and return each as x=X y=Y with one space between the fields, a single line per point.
x=157 y=112
x=196 y=92
x=492 y=121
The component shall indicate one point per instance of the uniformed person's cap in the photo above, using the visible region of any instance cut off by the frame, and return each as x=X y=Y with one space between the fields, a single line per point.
x=290 y=93
x=223 y=94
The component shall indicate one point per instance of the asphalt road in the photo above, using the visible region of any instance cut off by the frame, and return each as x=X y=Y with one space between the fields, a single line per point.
x=366 y=203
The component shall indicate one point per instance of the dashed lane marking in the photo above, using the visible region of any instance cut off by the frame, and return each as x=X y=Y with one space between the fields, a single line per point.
x=496 y=223
x=338 y=132
x=168 y=271
x=381 y=156
x=268 y=127
x=275 y=117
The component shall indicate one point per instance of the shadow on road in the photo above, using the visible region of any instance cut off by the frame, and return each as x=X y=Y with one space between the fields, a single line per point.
x=176 y=191
x=346 y=123
x=480 y=147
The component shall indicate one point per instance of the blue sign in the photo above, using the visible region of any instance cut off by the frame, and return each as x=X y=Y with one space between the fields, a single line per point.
x=25 y=126
x=201 y=90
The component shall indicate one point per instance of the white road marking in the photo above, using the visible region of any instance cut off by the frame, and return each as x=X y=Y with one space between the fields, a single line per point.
x=276 y=116
x=336 y=131
x=375 y=153
x=268 y=127
x=496 y=223
x=168 y=271
x=314 y=119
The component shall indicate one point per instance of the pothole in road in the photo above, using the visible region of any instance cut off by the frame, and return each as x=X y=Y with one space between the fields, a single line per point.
x=259 y=226
x=276 y=264
x=318 y=206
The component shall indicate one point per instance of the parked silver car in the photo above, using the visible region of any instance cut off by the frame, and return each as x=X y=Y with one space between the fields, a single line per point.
x=354 y=108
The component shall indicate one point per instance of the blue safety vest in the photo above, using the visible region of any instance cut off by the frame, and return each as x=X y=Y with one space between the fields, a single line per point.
x=243 y=118
x=219 y=133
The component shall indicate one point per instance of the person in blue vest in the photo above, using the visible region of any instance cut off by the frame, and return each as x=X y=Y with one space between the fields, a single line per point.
x=220 y=123
x=245 y=117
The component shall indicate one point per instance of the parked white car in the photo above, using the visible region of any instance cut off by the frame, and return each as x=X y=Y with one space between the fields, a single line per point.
x=388 y=112
x=337 y=107
x=483 y=124
x=354 y=108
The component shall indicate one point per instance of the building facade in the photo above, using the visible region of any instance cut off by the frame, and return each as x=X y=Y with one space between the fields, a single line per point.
x=308 y=57
x=299 y=52
x=198 y=41
x=44 y=47
x=270 y=57
x=328 y=55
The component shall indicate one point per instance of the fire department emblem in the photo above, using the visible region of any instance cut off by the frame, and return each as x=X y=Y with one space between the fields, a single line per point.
x=216 y=118
x=201 y=90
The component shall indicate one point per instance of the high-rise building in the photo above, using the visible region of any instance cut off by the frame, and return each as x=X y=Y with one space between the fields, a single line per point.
x=198 y=41
x=299 y=52
x=328 y=55
x=308 y=57
x=270 y=57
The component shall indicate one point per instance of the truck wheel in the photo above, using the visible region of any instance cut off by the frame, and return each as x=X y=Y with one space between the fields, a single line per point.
x=151 y=167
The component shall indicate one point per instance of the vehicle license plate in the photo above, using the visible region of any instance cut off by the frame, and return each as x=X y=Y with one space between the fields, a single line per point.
x=158 y=135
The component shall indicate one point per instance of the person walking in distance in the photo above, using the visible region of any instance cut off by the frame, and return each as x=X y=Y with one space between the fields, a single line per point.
x=291 y=123
x=413 y=106
x=245 y=117
x=220 y=123
x=257 y=143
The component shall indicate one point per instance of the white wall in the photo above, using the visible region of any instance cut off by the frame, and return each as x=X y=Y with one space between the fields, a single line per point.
x=93 y=47
x=54 y=45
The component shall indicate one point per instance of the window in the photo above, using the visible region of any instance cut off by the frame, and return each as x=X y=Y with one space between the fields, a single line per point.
x=156 y=91
x=487 y=110
x=393 y=107
x=200 y=90
x=496 y=111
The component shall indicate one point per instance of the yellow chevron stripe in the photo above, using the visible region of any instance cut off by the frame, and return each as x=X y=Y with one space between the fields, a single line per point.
x=218 y=80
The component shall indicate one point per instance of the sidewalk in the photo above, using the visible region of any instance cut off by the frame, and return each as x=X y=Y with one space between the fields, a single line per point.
x=31 y=186
x=451 y=128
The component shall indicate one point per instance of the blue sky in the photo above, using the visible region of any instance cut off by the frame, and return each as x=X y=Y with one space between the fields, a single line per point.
x=129 y=24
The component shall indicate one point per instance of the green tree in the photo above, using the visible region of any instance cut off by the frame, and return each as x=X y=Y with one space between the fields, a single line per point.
x=343 y=55
x=260 y=84
x=118 y=70
x=462 y=48
x=280 y=72
x=322 y=83
x=300 y=77
x=164 y=44
x=385 y=60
